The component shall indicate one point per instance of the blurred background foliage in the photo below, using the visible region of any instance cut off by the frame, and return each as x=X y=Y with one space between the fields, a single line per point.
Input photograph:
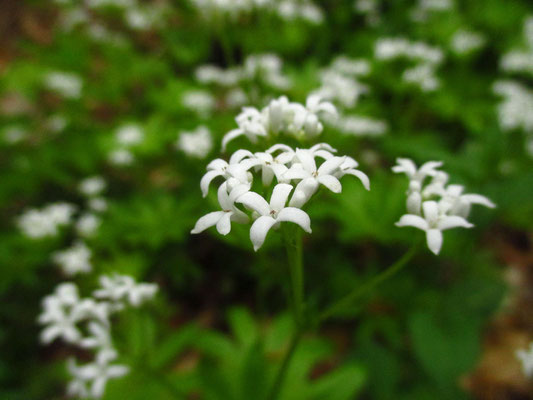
x=218 y=328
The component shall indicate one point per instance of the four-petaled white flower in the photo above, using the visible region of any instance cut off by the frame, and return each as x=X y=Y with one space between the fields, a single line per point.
x=235 y=172
x=271 y=215
x=526 y=359
x=222 y=219
x=459 y=203
x=433 y=223
x=408 y=167
x=251 y=124
x=74 y=260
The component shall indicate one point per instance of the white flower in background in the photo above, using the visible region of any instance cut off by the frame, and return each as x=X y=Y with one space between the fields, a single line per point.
x=201 y=102
x=98 y=204
x=422 y=75
x=88 y=224
x=350 y=66
x=409 y=168
x=514 y=112
x=526 y=359
x=61 y=313
x=464 y=42
x=99 y=336
x=435 y=206
x=45 y=222
x=92 y=186
x=361 y=126
x=110 y=3
x=66 y=84
x=74 y=260
x=123 y=288
x=222 y=219
x=129 y=135
x=14 y=134
x=519 y=60
x=56 y=123
x=271 y=215
x=369 y=8
x=425 y=8
x=211 y=74
x=266 y=67
x=121 y=157
x=92 y=378
x=197 y=143
x=433 y=223
x=236 y=98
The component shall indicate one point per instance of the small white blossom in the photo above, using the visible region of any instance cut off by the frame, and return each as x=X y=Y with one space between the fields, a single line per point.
x=119 y=288
x=121 y=157
x=271 y=215
x=433 y=223
x=464 y=42
x=408 y=167
x=74 y=260
x=92 y=186
x=129 y=135
x=197 y=143
x=98 y=204
x=66 y=84
x=42 y=223
x=201 y=102
x=88 y=224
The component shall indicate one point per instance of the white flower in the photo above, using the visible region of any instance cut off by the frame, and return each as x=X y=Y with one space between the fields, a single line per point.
x=422 y=75
x=311 y=176
x=526 y=359
x=433 y=223
x=235 y=171
x=74 y=260
x=99 y=338
x=98 y=204
x=199 y=101
x=87 y=224
x=121 y=157
x=197 y=143
x=464 y=42
x=15 y=134
x=92 y=186
x=120 y=288
x=408 y=167
x=95 y=375
x=129 y=135
x=251 y=124
x=271 y=215
x=42 y=223
x=222 y=219
x=361 y=126
x=66 y=84
x=459 y=204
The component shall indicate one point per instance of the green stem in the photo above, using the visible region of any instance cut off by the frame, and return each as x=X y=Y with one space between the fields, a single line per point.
x=282 y=372
x=359 y=291
x=292 y=238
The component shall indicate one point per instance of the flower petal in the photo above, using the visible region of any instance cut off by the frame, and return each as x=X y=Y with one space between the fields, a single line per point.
x=362 y=177
x=431 y=211
x=224 y=223
x=330 y=165
x=434 y=240
x=279 y=197
x=478 y=199
x=307 y=160
x=228 y=137
x=223 y=197
x=207 y=221
x=303 y=192
x=255 y=202
x=296 y=172
x=330 y=182
x=453 y=221
x=300 y=217
x=259 y=230
x=412 y=220
x=206 y=180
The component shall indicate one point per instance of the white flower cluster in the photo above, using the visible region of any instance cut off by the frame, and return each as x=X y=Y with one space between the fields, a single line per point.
x=435 y=206
x=339 y=82
x=85 y=323
x=514 y=112
x=126 y=136
x=361 y=126
x=37 y=224
x=288 y=10
x=521 y=60
x=92 y=189
x=74 y=260
x=428 y=58
x=68 y=85
x=200 y=102
x=526 y=359
x=295 y=171
x=197 y=143
x=425 y=8
x=281 y=115
x=465 y=42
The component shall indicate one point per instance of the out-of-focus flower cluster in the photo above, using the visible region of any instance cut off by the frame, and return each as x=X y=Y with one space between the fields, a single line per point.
x=85 y=323
x=434 y=205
